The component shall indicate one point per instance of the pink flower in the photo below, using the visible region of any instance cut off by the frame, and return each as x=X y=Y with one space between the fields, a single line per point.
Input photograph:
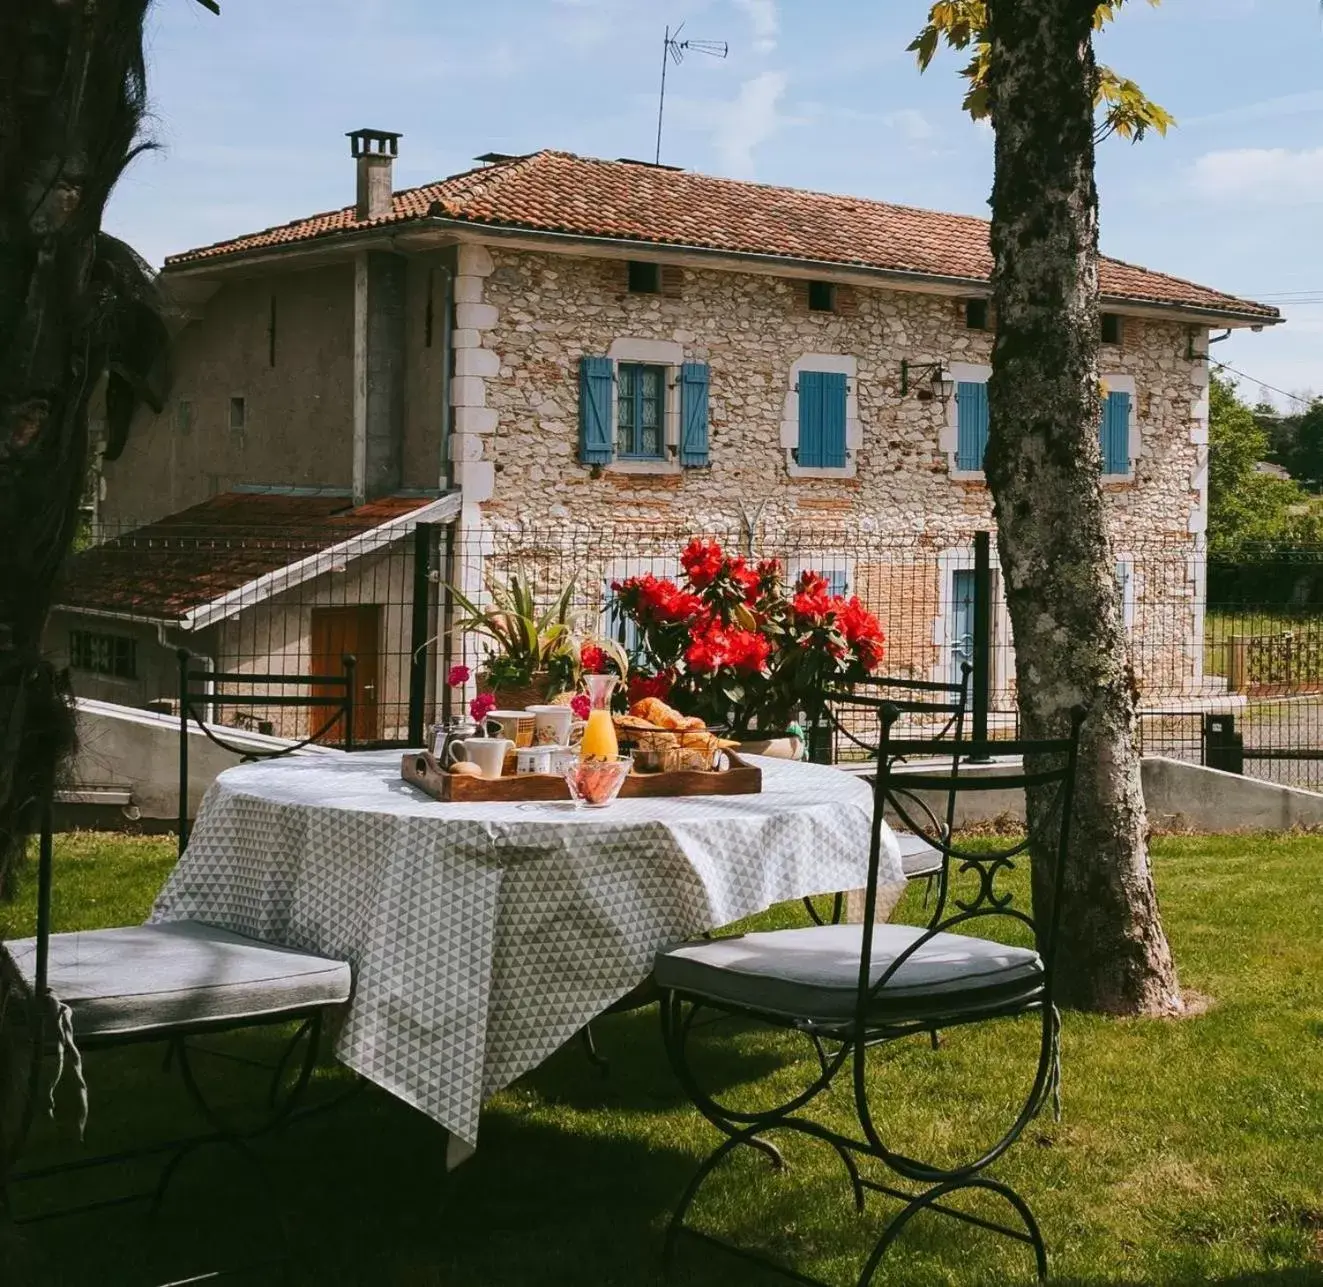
x=481 y=706
x=457 y=675
x=581 y=705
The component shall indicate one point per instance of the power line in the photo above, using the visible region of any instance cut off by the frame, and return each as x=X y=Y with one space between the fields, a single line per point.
x=1272 y=388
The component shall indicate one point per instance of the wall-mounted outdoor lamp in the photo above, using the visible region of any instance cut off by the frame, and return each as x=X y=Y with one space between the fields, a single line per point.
x=941 y=385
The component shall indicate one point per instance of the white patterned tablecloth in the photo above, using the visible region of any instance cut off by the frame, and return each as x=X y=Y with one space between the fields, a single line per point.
x=483 y=936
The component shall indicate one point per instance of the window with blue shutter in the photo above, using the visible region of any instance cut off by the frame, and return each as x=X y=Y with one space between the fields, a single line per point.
x=822 y=399
x=595 y=392
x=971 y=425
x=1116 y=434
x=693 y=415
x=641 y=411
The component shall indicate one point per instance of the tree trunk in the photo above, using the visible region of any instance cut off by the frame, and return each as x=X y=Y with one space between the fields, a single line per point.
x=1043 y=467
x=71 y=99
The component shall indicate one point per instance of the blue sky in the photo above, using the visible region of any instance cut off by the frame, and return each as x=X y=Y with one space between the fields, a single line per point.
x=251 y=110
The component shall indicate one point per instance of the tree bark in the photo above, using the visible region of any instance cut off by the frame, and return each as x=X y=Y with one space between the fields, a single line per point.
x=1043 y=467
x=71 y=100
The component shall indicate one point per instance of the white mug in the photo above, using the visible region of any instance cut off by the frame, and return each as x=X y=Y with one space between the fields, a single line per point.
x=488 y=753
x=552 y=725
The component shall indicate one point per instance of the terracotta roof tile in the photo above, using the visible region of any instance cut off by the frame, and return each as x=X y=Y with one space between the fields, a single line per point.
x=165 y=569
x=559 y=192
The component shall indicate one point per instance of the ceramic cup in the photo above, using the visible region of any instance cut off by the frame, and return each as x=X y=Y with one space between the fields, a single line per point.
x=535 y=759
x=516 y=725
x=488 y=753
x=552 y=725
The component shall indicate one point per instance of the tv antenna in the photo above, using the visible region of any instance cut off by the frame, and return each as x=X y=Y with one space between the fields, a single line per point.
x=673 y=48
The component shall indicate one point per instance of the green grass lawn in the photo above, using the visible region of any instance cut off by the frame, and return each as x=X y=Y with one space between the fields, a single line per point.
x=1189 y=1152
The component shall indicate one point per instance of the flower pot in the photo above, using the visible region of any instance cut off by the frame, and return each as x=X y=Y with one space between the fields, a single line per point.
x=786 y=746
x=518 y=697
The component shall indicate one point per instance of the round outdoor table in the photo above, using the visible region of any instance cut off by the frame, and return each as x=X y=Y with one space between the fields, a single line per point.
x=484 y=936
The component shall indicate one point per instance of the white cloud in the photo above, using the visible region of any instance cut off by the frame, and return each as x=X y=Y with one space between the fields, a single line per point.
x=762 y=15
x=1274 y=176
x=1267 y=109
x=911 y=124
x=749 y=121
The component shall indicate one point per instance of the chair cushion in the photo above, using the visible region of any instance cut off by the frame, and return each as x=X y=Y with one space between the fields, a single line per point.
x=813 y=973
x=147 y=977
x=917 y=857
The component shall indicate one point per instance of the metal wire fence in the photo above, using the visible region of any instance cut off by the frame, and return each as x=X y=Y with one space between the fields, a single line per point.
x=1205 y=639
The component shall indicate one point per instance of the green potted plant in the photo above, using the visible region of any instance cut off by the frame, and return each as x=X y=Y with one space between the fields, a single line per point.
x=530 y=654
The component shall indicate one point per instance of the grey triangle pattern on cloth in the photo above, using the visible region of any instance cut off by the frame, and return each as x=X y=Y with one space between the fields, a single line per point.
x=483 y=937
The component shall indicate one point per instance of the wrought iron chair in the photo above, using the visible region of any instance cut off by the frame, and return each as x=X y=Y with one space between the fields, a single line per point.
x=100 y=989
x=339 y=700
x=937 y=705
x=853 y=988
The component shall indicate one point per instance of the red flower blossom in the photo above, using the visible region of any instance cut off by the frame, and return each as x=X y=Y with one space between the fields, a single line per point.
x=457 y=675
x=702 y=562
x=656 y=601
x=746 y=578
x=705 y=653
x=747 y=650
x=581 y=705
x=592 y=659
x=641 y=686
x=481 y=706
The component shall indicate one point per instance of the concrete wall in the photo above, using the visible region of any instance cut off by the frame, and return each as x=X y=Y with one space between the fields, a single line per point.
x=1178 y=796
x=424 y=376
x=157 y=670
x=299 y=411
x=139 y=751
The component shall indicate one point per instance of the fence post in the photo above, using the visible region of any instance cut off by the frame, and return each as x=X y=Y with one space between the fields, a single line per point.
x=1237 y=647
x=982 y=658
x=1224 y=748
x=419 y=634
x=447 y=624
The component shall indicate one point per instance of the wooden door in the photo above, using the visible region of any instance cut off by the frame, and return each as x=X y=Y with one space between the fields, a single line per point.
x=356 y=629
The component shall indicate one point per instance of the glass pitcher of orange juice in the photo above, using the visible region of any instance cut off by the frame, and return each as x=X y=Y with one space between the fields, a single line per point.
x=599 y=735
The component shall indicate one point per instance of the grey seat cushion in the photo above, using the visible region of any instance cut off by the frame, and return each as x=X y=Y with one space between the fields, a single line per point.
x=917 y=857
x=147 y=977
x=813 y=973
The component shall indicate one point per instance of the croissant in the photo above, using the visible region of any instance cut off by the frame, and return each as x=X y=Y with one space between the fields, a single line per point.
x=657 y=712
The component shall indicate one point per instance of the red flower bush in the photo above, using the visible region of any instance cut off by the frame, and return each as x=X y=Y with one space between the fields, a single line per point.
x=730 y=644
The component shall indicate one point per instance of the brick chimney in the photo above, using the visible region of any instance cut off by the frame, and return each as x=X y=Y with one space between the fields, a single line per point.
x=375 y=152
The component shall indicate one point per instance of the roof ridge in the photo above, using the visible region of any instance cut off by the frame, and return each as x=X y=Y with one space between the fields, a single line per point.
x=766 y=187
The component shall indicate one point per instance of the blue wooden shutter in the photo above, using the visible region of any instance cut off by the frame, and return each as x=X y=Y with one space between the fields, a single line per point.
x=1116 y=434
x=596 y=388
x=971 y=424
x=833 y=420
x=693 y=415
x=822 y=396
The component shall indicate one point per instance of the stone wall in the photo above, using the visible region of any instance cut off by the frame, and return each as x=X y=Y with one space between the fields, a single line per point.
x=535 y=315
x=298 y=422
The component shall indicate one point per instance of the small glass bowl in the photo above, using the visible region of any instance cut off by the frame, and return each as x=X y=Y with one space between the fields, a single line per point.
x=594 y=784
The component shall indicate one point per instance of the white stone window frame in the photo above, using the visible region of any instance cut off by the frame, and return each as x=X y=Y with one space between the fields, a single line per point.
x=960 y=558
x=837 y=364
x=662 y=566
x=961 y=373
x=664 y=353
x=1119 y=383
x=1127 y=574
x=823 y=562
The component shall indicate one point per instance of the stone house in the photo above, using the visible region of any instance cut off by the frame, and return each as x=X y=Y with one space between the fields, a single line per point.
x=593 y=357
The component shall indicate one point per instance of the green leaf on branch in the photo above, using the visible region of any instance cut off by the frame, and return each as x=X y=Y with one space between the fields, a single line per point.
x=959 y=24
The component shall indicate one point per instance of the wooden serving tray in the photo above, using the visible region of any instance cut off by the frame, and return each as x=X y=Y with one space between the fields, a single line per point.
x=421 y=770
